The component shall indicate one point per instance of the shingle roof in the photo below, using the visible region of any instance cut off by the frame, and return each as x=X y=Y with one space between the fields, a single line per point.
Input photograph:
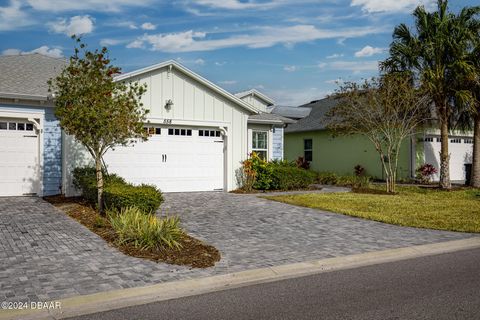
x=314 y=120
x=291 y=112
x=28 y=74
x=265 y=117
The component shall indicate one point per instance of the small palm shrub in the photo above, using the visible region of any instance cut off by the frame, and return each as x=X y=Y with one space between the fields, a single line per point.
x=145 y=232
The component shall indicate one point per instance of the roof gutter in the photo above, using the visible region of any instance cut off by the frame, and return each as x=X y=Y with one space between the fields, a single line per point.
x=19 y=96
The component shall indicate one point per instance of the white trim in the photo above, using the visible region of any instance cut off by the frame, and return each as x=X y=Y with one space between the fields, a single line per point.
x=256 y=93
x=193 y=75
x=22 y=96
x=259 y=121
x=195 y=123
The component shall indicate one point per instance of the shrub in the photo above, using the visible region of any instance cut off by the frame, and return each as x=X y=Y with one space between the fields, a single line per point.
x=302 y=163
x=359 y=170
x=246 y=176
x=118 y=193
x=347 y=181
x=263 y=171
x=425 y=172
x=327 y=178
x=146 y=232
x=290 y=178
x=122 y=195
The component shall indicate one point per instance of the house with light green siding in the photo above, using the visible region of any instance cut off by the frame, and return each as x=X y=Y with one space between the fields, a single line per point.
x=309 y=138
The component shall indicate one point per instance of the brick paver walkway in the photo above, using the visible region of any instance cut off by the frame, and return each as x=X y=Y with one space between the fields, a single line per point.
x=45 y=255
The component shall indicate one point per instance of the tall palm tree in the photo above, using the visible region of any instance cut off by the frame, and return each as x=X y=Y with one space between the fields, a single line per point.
x=475 y=178
x=434 y=54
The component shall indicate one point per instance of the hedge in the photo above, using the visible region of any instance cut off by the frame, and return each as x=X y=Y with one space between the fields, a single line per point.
x=291 y=178
x=118 y=194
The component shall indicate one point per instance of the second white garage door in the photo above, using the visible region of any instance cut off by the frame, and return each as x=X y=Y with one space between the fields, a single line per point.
x=460 y=149
x=19 y=158
x=175 y=159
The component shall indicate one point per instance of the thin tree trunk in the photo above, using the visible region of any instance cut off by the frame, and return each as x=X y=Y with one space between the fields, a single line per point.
x=444 y=157
x=98 y=166
x=475 y=178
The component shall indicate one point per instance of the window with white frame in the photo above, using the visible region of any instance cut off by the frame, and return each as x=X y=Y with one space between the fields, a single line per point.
x=260 y=143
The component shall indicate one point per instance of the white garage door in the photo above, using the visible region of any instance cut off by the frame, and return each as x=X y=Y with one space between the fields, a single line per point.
x=460 y=149
x=19 y=158
x=174 y=159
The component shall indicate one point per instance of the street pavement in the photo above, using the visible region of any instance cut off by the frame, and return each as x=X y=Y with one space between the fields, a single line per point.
x=445 y=286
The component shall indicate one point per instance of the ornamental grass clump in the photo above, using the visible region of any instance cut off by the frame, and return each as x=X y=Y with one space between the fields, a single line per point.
x=145 y=232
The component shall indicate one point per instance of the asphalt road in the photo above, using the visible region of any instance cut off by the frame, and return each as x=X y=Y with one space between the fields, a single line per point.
x=438 y=287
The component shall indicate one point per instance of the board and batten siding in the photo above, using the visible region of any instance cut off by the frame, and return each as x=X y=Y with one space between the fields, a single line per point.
x=52 y=146
x=194 y=105
x=257 y=103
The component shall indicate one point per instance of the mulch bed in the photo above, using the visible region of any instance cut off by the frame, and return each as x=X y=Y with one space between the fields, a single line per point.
x=193 y=253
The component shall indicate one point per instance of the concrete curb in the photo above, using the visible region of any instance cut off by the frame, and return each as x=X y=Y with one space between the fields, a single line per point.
x=104 y=301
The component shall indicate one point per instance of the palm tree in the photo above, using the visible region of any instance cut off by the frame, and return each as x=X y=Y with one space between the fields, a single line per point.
x=434 y=54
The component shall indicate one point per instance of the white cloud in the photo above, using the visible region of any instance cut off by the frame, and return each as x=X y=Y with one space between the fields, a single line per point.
x=199 y=61
x=11 y=52
x=234 y=4
x=148 y=26
x=351 y=66
x=290 y=68
x=77 y=25
x=296 y=97
x=334 y=81
x=136 y=44
x=368 y=51
x=391 y=6
x=45 y=50
x=335 y=56
x=91 y=5
x=220 y=63
x=264 y=37
x=111 y=42
x=12 y=17
x=227 y=82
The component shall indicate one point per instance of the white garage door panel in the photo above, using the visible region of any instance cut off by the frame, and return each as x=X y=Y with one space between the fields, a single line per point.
x=192 y=163
x=460 y=154
x=19 y=161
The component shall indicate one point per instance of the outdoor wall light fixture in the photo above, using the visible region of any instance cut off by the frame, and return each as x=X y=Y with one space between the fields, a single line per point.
x=169 y=104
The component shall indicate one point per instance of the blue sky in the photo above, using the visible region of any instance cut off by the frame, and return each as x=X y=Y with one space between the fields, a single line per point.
x=292 y=50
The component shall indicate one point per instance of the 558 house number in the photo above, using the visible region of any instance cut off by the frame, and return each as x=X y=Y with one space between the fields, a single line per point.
x=167 y=121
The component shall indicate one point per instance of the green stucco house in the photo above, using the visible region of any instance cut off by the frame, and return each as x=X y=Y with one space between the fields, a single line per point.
x=309 y=138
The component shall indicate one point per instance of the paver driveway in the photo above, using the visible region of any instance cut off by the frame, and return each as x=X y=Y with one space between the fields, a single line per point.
x=45 y=255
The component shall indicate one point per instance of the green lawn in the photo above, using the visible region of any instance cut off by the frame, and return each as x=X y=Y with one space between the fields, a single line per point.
x=457 y=210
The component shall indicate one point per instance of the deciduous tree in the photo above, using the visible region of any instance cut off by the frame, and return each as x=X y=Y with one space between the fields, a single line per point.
x=96 y=110
x=385 y=111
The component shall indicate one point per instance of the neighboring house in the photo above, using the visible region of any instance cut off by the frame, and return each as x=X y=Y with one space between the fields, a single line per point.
x=265 y=105
x=309 y=138
x=295 y=113
x=30 y=138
